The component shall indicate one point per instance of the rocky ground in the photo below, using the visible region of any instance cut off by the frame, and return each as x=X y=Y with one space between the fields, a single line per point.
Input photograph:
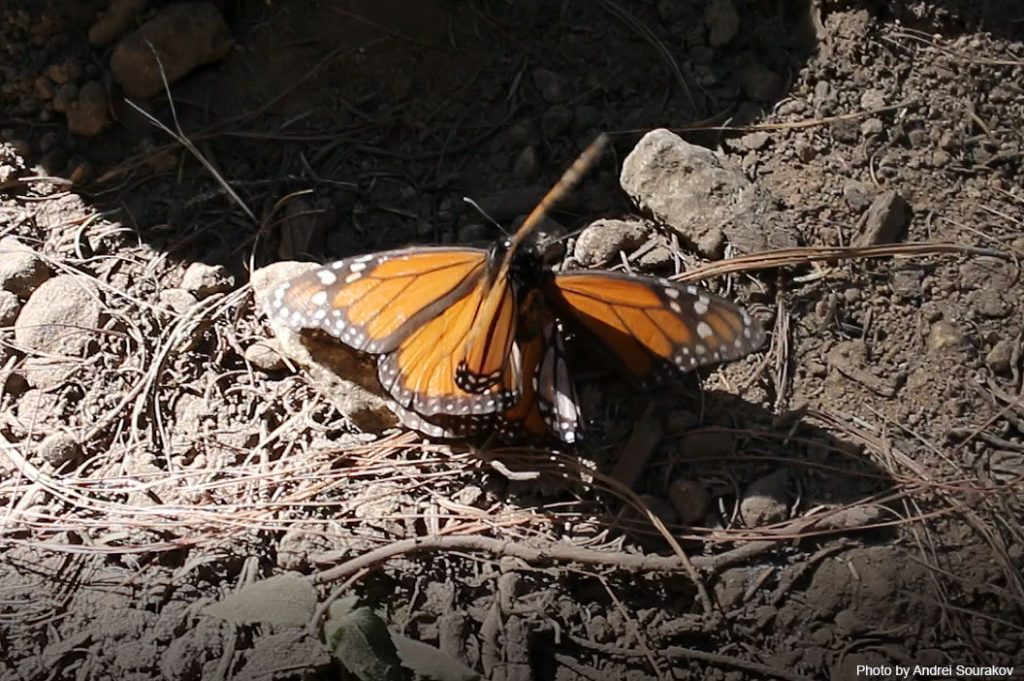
x=851 y=495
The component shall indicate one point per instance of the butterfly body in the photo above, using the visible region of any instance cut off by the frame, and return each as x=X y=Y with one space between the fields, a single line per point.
x=471 y=339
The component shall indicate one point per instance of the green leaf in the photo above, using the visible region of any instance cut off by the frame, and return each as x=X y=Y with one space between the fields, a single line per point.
x=288 y=599
x=361 y=641
x=429 y=662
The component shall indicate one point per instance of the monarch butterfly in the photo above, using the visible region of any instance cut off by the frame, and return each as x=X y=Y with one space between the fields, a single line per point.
x=470 y=339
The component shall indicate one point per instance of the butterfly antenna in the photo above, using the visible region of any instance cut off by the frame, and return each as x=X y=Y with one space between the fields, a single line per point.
x=484 y=213
x=570 y=178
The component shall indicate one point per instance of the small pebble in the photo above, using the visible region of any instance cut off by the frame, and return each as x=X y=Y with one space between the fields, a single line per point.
x=690 y=500
x=204 y=280
x=550 y=85
x=178 y=299
x=765 y=501
x=265 y=355
x=999 y=358
x=760 y=83
x=944 y=335
x=10 y=306
x=88 y=115
x=555 y=121
x=723 y=22
x=527 y=165
x=59 y=449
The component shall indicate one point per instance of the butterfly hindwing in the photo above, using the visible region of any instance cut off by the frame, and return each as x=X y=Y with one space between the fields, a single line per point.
x=654 y=327
x=420 y=375
x=489 y=340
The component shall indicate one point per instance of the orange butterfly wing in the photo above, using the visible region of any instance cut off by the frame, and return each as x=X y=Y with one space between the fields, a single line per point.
x=416 y=307
x=373 y=302
x=421 y=373
x=654 y=327
x=489 y=339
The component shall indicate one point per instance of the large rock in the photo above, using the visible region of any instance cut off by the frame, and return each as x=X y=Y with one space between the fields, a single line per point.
x=702 y=197
x=184 y=35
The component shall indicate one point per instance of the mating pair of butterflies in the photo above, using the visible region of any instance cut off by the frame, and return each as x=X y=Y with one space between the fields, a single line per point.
x=470 y=339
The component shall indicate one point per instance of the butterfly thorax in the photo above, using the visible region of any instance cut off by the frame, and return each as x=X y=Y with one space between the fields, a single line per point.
x=526 y=270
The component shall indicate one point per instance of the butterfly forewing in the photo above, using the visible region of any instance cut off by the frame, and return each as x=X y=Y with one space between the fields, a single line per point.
x=655 y=327
x=373 y=302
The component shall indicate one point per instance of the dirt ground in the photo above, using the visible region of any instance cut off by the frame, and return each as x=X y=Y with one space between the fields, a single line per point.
x=849 y=496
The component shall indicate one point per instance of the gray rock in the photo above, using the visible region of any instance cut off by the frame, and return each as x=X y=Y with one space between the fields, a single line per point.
x=527 y=165
x=886 y=220
x=872 y=99
x=908 y=283
x=944 y=335
x=297 y=547
x=706 y=200
x=178 y=299
x=204 y=280
x=184 y=658
x=987 y=272
x=858 y=195
x=61 y=317
x=555 y=121
x=551 y=86
x=766 y=500
x=601 y=241
x=989 y=302
x=265 y=355
x=759 y=83
x=707 y=444
x=523 y=133
x=655 y=259
x=58 y=449
x=21 y=270
x=10 y=306
x=46 y=373
x=346 y=377
x=1000 y=357
x=293 y=650
x=37 y=409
